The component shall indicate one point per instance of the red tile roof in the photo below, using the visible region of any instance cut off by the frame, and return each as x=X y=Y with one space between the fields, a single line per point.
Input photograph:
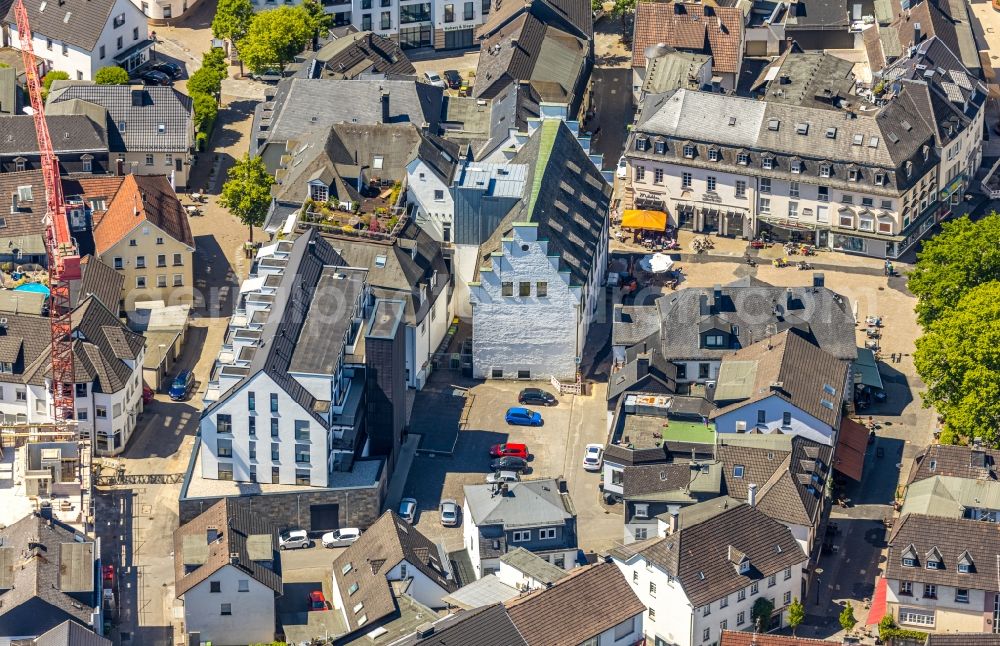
x=732 y=638
x=717 y=31
x=852 y=443
x=141 y=198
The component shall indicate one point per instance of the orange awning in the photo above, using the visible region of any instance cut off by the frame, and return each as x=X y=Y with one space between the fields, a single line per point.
x=877 y=611
x=640 y=219
x=852 y=443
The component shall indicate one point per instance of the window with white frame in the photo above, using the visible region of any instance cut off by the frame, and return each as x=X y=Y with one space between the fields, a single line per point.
x=521 y=536
x=866 y=223
x=660 y=147
x=706 y=610
x=847 y=220
x=879 y=179
x=713 y=155
x=689 y=152
x=768 y=163
x=547 y=533
x=796 y=166
x=787 y=599
x=741 y=188
x=824 y=170
x=706 y=634
x=906 y=588
x=743 y=159
x=642 y=510
x=710 y=183
x=765 y=185
x=793 y=210
x=765 y=205
x=885 y=226
x=319 y=192
x=640 y=173
x=793 y=189
x=917 y=616
x=658 y=176
x=961 y=595
x=741 y=617
x=930 y=591
x=724 y=601
x=685 y=180
x=741 y=595
x=854 y=174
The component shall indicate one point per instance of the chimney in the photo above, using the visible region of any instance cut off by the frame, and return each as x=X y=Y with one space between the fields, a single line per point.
x=789 y=297
x=716 y=296
x=385 y=106
x=752 y=495
x=916 y=33
x=673 y=525
x=641 y=367
x=818 y=279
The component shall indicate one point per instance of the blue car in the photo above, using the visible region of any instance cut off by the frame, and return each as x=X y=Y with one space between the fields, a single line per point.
x=523 y=417
x=182 y=384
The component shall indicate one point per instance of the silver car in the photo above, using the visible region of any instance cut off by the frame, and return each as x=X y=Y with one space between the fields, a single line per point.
x=408 y=509
x=292 y=539
x=342 y=537
x=449 y=513
x=502 y=476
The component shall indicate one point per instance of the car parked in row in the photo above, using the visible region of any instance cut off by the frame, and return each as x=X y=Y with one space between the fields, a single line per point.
x=434 y=79
x=509 y=449
x=408 y=510
x=182 y=385
x=518 y=416
x=173 y=70
x=316 y=600
x=293 y=539
x=509 y=463
x=498 y=477
x=153 y=77
x=536 y=396
x=453 y=79
x=342 y=537
x=449 y=512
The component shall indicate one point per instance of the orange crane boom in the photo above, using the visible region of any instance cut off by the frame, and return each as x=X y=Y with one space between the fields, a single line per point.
x=63 y=257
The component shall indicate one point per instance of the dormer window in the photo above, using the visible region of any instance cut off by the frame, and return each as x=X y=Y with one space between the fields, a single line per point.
x=879 y=179
x=934 y=565
x=965 y=564
x=713 y=154
x=19 y=163
x=934 y=561
x=854 y=174
x=319 y=192
x=715 y=340
x=824 y=170
x=743 y=159
x=660 y=147
x=642 y=144
x=768 y=163
x=688 y=151
x=909 y=562
x=796 y=165
x=910 y=557
x=745 y=566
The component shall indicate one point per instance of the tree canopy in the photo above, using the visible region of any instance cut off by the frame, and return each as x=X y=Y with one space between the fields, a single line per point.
x=796 y=614
x=54 y=75
x=275 y=37
x=232 y=19
x=965 y=254
x=206 y=109
x=847 y=620
x=761 y=612
x=247 y=191
x=958 y=361
x=205 y=80
x=112 y=75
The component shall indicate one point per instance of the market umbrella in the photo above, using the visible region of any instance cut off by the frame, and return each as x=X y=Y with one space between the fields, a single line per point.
x=656 y=263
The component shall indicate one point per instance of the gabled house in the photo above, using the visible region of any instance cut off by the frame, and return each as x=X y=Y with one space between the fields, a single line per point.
x=948 y=20
x=695 y=328
x=360 y=55
x=145 y=235
x=150 y=129
x=68 y=633
x=783 y=384
x=534 y=514
x=82 y=36
x=706 y=29
x=80 y=144
x=22 y=236
x=541 y=272
x=524 y=570
x=786 y=476
x=710 y=562
x=228 y=574
x=387 y=573
x=48 y=575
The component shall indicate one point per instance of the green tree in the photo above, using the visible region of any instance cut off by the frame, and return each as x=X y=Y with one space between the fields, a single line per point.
x=232 y=19
x=206 y=109
x=622 y=9
x=112 y=75
x=54 y=75
x=275 y=37
x=247 y=191
x=963 y=255
x=847 y=620
x=796 y=614
x=958 y=362
x=319 y=20
x=596 y=5
x=215 y=59
x=761 y=612
x=205 y=81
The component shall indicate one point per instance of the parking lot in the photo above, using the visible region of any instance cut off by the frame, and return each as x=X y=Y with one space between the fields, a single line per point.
x=556 y=450
x=304 y=571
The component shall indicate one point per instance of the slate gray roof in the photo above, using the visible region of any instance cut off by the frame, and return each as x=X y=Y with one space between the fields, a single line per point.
x=974 y=463
x=23 y=229
x=349 y=56
x=42 y=584
x=238 y=528
x=697 y=554
x=70 y=133
x=302 y=105
x=386 y=543
x=485 y=626
x=135 y=114
x=69 y=633
x=674 y=70
x=310 y=260
x=529 y=503
x=532 y=565
x=648 y=372
x=807 y=375
x=817 y=14
x=781 y=493
x=949 y=20
x=395 y=271
x=674 y=482
x=633 y=324
x=566 y=197
x=952 y=538
x=77 y=22
x=574 y=15
x=99 y=280
x=811 y=79
x=824 y=315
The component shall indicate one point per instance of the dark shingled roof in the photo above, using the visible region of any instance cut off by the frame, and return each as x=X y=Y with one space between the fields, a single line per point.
x=484 y=626
x=953 y=539
x=70 y=133
x=367 y=562
x=36 y=591
x=976 y=463
x=590 y=600
x=350 y=56
x=76 y=22
x=803 y=370
x=236 y=524
x=697 y=554
x=69 y=633
x=100 y=281
x=575 y=15
x=567 y=198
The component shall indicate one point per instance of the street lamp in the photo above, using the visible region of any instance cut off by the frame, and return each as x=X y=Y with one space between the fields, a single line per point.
x=818 y=571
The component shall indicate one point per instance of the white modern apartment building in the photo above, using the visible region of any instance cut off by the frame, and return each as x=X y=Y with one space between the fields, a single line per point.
x=869 y=175
x=708 y=567
x=441 y=24
x=162 y=12
x=80 y=37
x=283 y=404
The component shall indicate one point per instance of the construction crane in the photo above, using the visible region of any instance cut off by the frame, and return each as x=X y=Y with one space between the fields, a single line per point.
x=63 y=257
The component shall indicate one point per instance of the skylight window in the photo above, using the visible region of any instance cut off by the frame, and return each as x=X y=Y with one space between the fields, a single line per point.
x=802 y=128
x=380 y=261
x=829 y=390
x=738 y=471
x=826 y=403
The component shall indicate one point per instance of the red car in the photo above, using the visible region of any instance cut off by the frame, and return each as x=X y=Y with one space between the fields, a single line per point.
x=509 y=450
x=317 y=601
x=147 y=395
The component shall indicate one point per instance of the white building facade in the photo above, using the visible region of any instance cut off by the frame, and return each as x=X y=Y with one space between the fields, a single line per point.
x=230 y=607
x=123 y=40
x=163 y=11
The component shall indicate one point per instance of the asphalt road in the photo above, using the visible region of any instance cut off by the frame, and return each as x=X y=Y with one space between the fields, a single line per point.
x=613 y=112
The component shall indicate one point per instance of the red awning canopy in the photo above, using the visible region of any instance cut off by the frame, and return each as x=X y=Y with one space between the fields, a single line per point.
x=852 y=442
x=877 y=611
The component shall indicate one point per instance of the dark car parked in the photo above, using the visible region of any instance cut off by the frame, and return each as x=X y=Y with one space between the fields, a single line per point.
x=453 y=79
x=153 y=77
x=173 y=70
x=508 y=463
x=536 y=396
